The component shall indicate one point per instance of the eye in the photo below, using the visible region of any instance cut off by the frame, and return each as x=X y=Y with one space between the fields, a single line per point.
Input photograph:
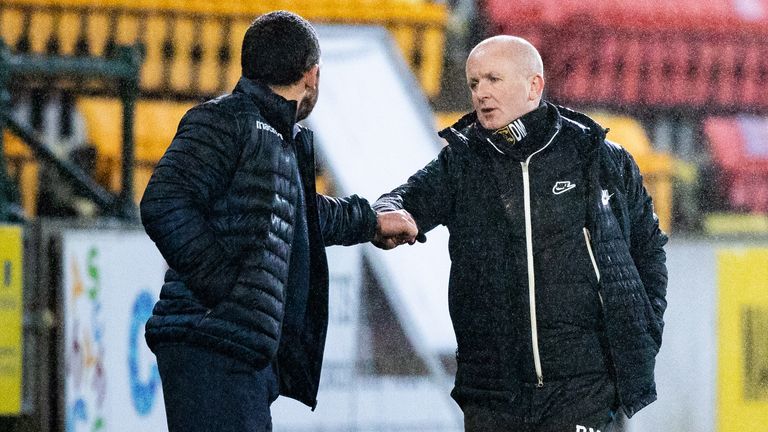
x=472 y=84
x=494 y=79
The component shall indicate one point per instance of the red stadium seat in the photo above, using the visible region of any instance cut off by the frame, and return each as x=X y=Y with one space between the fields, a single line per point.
x=655 y=81
x=749 y=88
x=678 y=58
x=725 y=90
x=700 y=78
x=629 y=84
x=605 y=78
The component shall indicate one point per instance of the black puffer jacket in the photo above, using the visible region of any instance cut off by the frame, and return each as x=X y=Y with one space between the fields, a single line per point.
x=221 y=208
x=457 y=190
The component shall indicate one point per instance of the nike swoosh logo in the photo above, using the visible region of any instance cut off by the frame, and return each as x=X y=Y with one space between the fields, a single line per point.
x=562 y=187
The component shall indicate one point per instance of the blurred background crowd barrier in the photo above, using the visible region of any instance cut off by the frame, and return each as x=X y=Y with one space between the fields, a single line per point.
x=91 y=93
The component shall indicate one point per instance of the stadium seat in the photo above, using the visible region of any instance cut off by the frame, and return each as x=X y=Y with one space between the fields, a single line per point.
x=751 y=90
x=154 y=127
x=657 y=167
x=628 y=85
x=678 y=57
x=701 y=77
x=726 y=91
x=656 y=78
x=605 y=79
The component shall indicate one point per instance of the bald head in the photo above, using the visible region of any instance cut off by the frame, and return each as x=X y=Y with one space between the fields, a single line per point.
x=506 y=77
x=517 y=50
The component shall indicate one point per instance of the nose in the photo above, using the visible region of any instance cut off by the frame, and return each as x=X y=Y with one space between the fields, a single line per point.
x=481 y=91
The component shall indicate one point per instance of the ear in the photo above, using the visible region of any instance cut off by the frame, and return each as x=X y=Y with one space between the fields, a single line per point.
x=537 y=87
x=312 y=77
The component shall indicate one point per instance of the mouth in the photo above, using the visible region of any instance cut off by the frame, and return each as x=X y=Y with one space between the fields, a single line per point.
x=487 y=110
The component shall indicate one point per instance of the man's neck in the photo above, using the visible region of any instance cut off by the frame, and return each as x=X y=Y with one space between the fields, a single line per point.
x=290 y=93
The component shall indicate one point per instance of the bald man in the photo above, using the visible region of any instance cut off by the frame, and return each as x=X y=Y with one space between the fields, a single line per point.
x=558 y=276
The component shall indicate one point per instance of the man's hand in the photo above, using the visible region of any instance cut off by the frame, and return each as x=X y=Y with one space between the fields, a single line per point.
x=394 y=228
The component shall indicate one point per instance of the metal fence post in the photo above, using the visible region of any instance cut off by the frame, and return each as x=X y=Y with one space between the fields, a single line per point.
x=129 y=93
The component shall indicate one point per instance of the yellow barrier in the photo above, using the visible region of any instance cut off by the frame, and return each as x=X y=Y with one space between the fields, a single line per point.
x=742 y=329
x=10 y=319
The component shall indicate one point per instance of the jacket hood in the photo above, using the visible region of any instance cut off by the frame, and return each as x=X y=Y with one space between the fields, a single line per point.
x=584 y=122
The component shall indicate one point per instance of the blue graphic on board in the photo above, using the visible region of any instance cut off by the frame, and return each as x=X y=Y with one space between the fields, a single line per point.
x=142 y=392
x=77 y=414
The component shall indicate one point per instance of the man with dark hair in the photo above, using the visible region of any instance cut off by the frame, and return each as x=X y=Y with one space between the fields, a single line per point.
x=232 y=207
x=558 y=275
x=279 y=64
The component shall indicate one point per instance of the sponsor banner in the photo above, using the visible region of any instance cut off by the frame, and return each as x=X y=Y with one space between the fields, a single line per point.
x=11 y=253
x=742 y=400
x=111 y=280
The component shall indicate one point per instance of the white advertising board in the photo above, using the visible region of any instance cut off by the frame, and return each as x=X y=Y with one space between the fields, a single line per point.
x=111 y=280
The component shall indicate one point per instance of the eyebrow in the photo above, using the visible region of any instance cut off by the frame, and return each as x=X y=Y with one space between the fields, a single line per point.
x=485 y=75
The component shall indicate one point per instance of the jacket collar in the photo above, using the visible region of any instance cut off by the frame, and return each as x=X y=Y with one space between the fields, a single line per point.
x=276 y=110
x=465 y=126
x=562 y=114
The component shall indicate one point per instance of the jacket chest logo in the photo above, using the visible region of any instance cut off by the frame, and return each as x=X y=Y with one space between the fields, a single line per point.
x=605 y=197
x=264 y=126
x=562 y=187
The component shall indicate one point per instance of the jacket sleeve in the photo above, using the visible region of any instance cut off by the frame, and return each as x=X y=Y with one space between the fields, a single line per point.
x=345 y=221
x=175 y=208
x=428 y=194
x=647 y=242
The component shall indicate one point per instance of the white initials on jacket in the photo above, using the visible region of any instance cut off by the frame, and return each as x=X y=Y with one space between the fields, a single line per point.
x=580 y=428
x=518 y=130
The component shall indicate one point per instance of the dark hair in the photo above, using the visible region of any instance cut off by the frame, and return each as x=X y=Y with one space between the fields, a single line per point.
x=278 y=48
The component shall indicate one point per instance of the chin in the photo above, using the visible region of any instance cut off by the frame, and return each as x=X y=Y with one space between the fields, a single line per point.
x=490 y=124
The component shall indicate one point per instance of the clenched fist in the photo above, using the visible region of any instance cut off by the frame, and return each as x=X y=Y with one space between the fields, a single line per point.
x=394 y=228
